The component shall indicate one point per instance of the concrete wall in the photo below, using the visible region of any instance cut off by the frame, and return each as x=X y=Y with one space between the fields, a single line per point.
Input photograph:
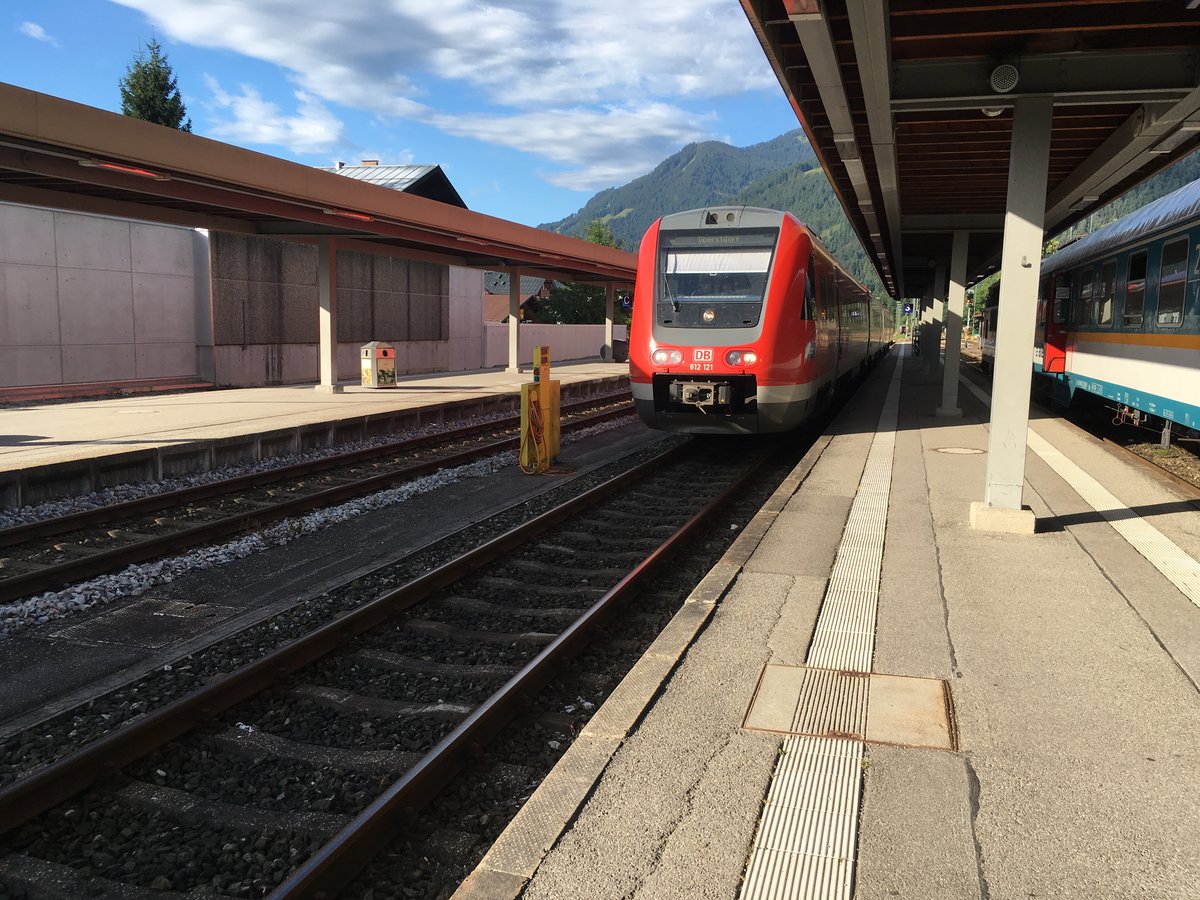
x=265 y=312
x=566 y=341
x=89 y=298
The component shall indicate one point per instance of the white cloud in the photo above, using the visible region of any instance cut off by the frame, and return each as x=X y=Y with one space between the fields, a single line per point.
x=37 y=32
x=313 y=129
x=521 y=65
x=604 y=146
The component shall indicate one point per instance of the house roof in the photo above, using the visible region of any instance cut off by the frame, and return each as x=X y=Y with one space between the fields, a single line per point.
x=423 y=181
x=497 y=283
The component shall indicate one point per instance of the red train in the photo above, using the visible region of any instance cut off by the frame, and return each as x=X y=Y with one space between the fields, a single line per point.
x=744 y=322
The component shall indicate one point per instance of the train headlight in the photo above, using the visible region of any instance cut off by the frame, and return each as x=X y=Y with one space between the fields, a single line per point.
x=709 y=316
x=741 y=358
x=664 y=357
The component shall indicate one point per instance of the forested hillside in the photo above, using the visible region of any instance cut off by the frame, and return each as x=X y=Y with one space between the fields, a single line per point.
x=698 y=175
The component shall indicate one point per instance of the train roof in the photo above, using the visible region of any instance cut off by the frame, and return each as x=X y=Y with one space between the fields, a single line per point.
x=724 y=217
x=1179 y=206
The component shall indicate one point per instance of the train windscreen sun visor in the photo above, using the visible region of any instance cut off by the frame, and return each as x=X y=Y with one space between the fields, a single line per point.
x=721 y=288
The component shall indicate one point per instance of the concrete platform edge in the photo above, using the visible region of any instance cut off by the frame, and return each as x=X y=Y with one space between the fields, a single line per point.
x=30 y=485
x=512 y=860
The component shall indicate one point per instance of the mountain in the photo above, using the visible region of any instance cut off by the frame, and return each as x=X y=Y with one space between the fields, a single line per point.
x=781 y=173
x=698 y=175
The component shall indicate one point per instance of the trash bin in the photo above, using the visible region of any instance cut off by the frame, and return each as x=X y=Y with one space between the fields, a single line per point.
x=378 y=365
x=620 y=351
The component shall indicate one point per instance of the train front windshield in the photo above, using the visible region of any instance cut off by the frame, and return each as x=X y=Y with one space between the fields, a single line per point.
x=709 y=280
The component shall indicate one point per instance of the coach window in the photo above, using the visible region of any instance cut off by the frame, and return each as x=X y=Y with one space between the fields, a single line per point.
x=1105 y=292
x=1135 y=289
x=1062 y=297
x=1083 y=310
x=1171 y=283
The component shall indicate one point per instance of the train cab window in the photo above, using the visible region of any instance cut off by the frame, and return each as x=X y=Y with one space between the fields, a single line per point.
x=703 y=284
x=1172 y=281
x=1105 y=292
x=1135 y=289
x=1083 y=278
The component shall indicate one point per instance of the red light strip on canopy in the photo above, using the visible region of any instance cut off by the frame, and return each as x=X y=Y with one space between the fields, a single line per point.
x=126 y=170
x=346 y=214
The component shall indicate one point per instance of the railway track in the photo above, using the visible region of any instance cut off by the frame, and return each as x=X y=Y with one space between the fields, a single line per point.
x=290 y=772
x=52 y=553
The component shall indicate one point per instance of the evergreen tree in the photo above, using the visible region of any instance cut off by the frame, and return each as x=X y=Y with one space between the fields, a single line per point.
x=581 y=304
x=600 y=232
x=148 y=90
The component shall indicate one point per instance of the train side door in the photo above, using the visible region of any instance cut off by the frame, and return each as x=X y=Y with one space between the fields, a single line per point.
x=1058 y=300
x=826 y=319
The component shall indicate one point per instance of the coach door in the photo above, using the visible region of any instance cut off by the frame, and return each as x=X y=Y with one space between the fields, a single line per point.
x=1058 y=300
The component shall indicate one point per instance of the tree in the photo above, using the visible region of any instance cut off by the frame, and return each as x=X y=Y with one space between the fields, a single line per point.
x=581 y=304
x=148 y=90
x=600 y=232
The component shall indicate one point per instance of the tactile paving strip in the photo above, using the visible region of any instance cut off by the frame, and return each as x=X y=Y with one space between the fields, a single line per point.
x=804 y=848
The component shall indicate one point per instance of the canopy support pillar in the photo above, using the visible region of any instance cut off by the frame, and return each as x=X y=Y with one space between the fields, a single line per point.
x=1020 y=269
x=327 y=316
x=954 y=326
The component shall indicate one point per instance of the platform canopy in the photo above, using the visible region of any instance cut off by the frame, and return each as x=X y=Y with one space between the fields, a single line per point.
x=59 y=154
x=909 y=107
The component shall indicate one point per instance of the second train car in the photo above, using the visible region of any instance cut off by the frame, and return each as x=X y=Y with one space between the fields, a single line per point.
x=743 y=322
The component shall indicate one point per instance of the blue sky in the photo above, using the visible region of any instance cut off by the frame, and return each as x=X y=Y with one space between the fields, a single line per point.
x=530 y=106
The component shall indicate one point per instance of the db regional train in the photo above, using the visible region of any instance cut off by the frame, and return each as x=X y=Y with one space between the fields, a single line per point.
x=1118 y=316
x=743 y=323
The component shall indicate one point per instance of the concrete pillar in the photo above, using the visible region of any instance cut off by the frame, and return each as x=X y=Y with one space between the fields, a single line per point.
x=933 y=361
x=609 y=303
x=954 y=325
x=514 y=317
x=1020 y=268
x=327 y=292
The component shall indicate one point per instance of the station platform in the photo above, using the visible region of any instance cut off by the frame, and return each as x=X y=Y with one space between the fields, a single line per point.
x=61 y=449
x=1042 y=738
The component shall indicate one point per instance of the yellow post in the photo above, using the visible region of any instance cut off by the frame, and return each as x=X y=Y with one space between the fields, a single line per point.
x=540 y=418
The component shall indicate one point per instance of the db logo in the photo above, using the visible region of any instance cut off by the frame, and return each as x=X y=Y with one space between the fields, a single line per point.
x=702 y=354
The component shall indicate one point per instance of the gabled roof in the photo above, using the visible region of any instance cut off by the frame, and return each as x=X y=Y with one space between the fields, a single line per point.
x=423 y=181
x=497 y=283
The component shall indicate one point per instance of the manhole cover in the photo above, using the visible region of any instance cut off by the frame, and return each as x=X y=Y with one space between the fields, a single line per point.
x=965 y=451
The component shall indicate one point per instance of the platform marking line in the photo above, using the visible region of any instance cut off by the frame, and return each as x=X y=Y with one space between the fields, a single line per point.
x=1176 y=565
x=805 y=845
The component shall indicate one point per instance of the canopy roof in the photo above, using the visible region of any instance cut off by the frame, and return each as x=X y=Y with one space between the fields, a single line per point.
x=908 y=104
x=59 y=154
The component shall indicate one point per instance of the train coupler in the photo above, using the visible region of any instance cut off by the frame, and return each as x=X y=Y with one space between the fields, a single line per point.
x=703 y=395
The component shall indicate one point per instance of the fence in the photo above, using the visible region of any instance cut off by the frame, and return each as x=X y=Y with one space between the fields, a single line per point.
x=566 y=341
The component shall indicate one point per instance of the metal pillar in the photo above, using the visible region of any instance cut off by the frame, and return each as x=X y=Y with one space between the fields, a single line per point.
x=327 y=292
x=954 y=326
x=1020 y=269
x=514 y=316
x=609 y=303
